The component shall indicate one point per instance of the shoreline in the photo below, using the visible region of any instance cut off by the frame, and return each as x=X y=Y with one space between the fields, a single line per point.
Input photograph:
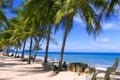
x=13 y=69
x=39 y=58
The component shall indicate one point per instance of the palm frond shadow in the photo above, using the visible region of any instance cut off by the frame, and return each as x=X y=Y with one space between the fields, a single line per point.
x=32 y=70
x=54 y=73
x=6 y=78
x=2 y=64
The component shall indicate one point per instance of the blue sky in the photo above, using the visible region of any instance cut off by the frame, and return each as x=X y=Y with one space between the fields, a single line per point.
x=79 y=41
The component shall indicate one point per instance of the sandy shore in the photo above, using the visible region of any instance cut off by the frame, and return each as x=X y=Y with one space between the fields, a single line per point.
x=13 y=69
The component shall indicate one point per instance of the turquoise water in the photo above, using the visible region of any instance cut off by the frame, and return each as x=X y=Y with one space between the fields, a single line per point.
x=95 y=59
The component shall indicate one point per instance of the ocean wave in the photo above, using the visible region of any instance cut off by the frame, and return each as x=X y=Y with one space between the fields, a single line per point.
x=100 y=65
x=105 y=66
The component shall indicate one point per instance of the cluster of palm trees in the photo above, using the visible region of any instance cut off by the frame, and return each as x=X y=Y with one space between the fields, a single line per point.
x=36 y=20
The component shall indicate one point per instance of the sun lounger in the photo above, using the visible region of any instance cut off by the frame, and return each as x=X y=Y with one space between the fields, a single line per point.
x=111 y=70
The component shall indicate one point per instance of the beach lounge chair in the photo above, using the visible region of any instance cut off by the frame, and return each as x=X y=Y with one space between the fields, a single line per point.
x=94 y=76
x=111 y=70
x=115 y=65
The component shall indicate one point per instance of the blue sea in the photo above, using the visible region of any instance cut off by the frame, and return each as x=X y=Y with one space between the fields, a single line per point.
x=95 y=59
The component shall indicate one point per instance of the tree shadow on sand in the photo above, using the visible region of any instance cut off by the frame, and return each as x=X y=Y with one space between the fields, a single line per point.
x=2 y=64
x=54 y=73
x=101 y=78
x=6 y=78
x=25 y=71
x=31 y=70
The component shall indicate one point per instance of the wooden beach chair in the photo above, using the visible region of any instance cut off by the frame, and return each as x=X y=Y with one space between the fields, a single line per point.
x=115 y=65
x=111 y=70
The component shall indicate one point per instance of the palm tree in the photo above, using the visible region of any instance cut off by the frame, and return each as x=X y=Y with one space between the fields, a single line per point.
x=13 y=41
x=33 y=31
x=3 y=19
x=28 y=29
x=45 y=16
x=14 y=32
x=111 y=7
x=24 y=43
x=50 y=12
x=6 y=3
x=3 y=5
x=20 y=21
x=5 y=43
x=17 y=45
x=37 y=47
x=68 y=9
x=87 y=14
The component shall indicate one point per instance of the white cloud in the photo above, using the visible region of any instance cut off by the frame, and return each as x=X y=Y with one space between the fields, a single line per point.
x=111 y=26
x=86 y=47
x=108 y=25
x=70 y=43
x=93 y=47
x=107 y=47
x=78 y=48
x=104 y=39
x=52 y=47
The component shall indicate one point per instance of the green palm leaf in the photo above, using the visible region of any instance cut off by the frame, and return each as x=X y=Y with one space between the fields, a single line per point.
x=2 y=17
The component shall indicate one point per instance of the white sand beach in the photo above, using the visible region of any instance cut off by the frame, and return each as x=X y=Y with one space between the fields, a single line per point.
x=13 y=69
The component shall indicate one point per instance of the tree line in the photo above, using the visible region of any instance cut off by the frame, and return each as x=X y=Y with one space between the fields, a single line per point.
x=36 y=20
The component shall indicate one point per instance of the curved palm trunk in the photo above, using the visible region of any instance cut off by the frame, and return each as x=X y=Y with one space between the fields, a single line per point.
x=40 y=38
x=47 y=45
x=7 y=51
x=4 y=51
x=63 y=47
x=37 y=50
x=35 y=56
x=29 y=59
x=16 y=52
x=22 y=56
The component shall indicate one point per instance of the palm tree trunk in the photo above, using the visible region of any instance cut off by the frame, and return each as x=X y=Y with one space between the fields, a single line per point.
x=40 y=38
x=7 y=51
x=63 y=47
x=16 y=52
x=35 y=56
x=4 y=51
x=47 y=45
x=22 y=56
x=29 y=59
